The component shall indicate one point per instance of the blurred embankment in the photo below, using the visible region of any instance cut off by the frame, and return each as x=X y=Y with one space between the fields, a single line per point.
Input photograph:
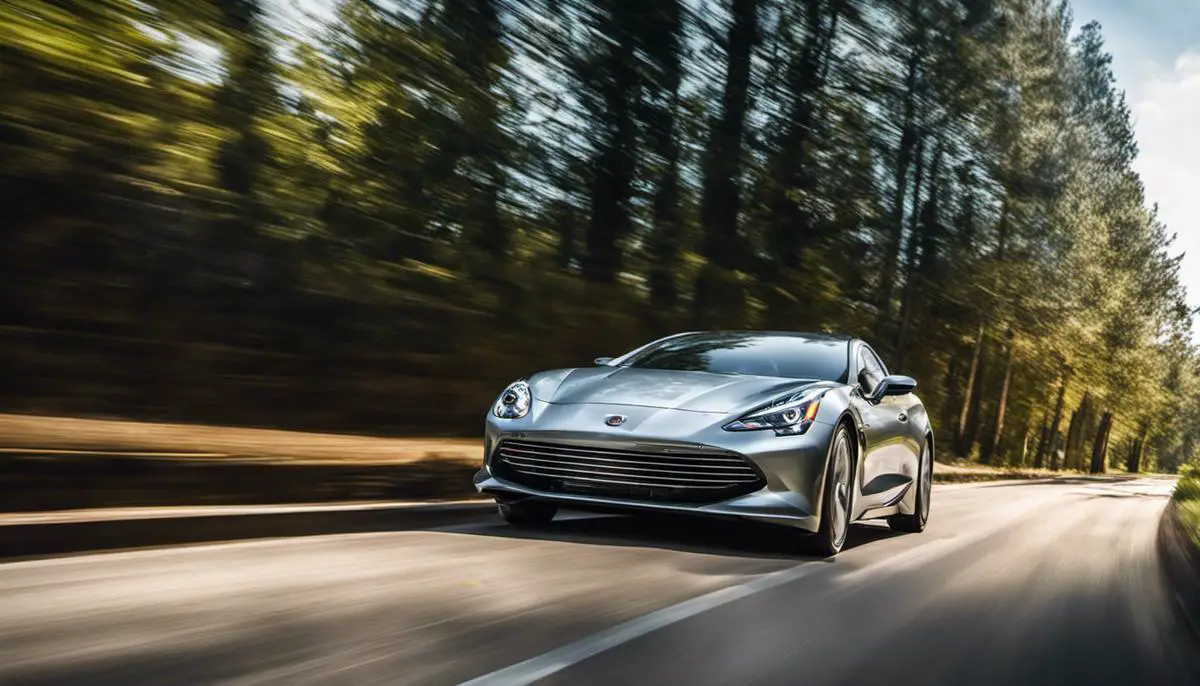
x=51 y=463
x=56 y=463
x=1179 y=547
x=70 y=433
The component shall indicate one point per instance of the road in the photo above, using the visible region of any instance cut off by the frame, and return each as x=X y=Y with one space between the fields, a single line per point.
x=1033 y=583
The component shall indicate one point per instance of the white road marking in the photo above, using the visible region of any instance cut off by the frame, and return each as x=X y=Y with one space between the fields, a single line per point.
x=546 y=664
x=559 y=659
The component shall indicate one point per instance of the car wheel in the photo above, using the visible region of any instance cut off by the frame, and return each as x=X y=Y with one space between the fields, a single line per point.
x=527 y=512
x=915 y=522
x=835 y=505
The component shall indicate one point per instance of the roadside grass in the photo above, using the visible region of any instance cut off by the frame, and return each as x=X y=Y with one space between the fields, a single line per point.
x=948 y=469
x=976 y=474
x=1187 y=502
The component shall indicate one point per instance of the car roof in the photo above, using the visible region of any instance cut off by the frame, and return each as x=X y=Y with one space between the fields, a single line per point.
x=813 y=335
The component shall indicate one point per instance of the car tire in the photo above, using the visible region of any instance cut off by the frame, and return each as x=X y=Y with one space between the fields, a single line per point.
x=837 y=500
x=915 y=523
x=528 y=512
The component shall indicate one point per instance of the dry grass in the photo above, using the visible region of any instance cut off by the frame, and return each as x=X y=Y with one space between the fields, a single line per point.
x=103 y=463
x=970 y=468
x=65 y=433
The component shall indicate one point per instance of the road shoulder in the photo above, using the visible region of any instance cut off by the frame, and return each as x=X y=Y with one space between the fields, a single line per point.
x=1181 y=565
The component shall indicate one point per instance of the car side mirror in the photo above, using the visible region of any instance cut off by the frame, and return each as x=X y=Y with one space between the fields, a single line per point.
x=895 y=385
x=602 y=361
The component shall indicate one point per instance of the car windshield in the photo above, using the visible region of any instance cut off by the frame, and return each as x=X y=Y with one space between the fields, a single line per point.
x=788 y=356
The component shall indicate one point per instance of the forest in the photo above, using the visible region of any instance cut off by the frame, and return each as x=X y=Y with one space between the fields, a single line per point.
x=370 y=215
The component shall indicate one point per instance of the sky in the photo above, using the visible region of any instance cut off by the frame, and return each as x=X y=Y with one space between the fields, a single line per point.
x=1155 y=46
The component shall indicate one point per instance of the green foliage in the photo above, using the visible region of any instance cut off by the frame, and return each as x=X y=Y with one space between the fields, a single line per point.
x=375 y=221
x=1190 y=473
x=1187 y=500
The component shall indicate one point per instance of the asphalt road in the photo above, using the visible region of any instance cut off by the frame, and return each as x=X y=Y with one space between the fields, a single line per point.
x=1011 y=584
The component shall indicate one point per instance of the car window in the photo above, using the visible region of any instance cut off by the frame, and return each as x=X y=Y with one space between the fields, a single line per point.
x=759 y=354
x=871 y=370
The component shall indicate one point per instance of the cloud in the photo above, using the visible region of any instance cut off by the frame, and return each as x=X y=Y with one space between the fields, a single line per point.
x=1166 y=109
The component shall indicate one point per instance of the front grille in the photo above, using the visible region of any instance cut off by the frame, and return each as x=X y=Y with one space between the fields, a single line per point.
x=639 y=474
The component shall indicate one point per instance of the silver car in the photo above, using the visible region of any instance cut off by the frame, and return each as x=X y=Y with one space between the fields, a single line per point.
x=799 y=429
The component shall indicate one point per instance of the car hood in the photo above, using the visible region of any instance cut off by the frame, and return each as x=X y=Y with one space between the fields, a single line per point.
x=660 y=388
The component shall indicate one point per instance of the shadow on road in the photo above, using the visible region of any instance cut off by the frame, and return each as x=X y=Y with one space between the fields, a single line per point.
x=682 y=533
x=27 y=541
x=691 y=534
x=1062 y=481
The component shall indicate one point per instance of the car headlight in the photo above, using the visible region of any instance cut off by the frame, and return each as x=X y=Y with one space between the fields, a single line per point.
x=514 y=402
x=787 y=416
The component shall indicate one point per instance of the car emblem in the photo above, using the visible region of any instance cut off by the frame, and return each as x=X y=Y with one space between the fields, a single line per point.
x=615 y=419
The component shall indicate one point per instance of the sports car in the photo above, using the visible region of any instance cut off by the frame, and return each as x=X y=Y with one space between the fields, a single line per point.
x=805 y=430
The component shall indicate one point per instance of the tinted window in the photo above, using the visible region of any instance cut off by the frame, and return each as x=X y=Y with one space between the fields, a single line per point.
x=870 y=371
x=793 y=357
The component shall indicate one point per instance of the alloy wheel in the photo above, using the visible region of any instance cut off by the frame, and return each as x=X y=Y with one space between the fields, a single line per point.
x=926 y=482
x=841 y=490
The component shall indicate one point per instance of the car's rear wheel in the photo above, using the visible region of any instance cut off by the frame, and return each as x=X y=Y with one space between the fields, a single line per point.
x=527 y=512
x=835 y=505
x=915 y=522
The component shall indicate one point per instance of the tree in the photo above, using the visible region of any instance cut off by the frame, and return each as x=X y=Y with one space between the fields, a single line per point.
x=612 y=71
x=665 y=50
x=720 y=201
x=402 y=186
x=470 y=33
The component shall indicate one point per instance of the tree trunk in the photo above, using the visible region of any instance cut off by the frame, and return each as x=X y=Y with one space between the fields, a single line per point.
x=1088 y=427
x=664 y=240
x=475 y=46
x=1077 y=434
x=241 y=163
x=615 y=159
x=1043 y=439
x=1055 y=443
x=1069 y=452
x=566 y=221
x=921 y=267
x=1100 y=446
x=961 y=447
x=909 y=135
x=949 y=415
x=1053 y=437
x=1132 y=458
x=1025 y=438
x=720 y=201
x=975 y=416
x=992 y=447
x=1134 y=463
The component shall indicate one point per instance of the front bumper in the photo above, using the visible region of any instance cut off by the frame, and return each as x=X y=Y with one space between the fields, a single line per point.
x=793 y=467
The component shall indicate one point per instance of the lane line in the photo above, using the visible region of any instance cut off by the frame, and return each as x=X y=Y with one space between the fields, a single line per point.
x=546 y=664
x=559 y=659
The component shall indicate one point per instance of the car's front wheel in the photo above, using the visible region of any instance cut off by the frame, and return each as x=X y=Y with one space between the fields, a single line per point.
x=835 y=505
x=527 y=512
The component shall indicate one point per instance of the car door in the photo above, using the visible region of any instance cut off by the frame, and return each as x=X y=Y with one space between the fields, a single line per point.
x=886 y=450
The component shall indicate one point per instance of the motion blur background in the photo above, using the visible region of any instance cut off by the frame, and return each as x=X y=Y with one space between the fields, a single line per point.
x=367 y=216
